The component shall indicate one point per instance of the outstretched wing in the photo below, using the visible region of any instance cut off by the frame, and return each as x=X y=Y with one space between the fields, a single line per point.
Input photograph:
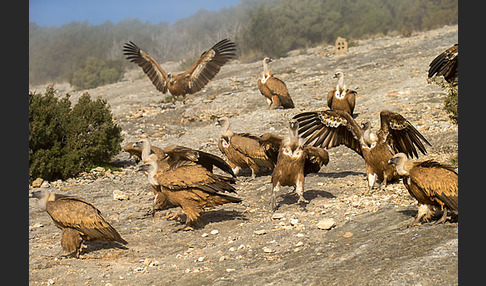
x=271 y=144
x=181 y=155
x=446 y=65
x=329 y=128
x=150 y=67
x=400 y=134
x=208 y=64
x=78 y=214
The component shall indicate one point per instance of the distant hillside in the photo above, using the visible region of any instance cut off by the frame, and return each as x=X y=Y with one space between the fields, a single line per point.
x=259 y=27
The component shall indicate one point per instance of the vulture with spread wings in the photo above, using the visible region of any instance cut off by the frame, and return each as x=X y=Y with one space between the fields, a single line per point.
x=295 y=161
x=332 y=128
x=433 y=185
x=446 y=64
x=192 y=80
x=79 y=220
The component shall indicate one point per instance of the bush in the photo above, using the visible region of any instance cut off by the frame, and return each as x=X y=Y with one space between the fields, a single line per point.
x=65 y=141
x=451 y=103
x=95 y=72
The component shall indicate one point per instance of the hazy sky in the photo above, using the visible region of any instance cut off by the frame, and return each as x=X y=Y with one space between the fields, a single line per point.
x=59 y=12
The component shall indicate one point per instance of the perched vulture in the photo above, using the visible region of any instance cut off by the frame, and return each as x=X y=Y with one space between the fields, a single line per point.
x=294 y=162
x=341 y=98
x=274 y=90
x=178 y=153
x=244 y=150
x=432 y=184
x=191 y=187
x=332 y=128
x=190 y=81
x=79 y=220
x=445 y=65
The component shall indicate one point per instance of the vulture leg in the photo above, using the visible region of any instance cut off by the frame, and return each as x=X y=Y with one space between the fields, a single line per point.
x=443 y=218
x=273 y=203
x=299 y=189
x=236 y=170
x=371 y=181
x=171 y=215
x=424 y=212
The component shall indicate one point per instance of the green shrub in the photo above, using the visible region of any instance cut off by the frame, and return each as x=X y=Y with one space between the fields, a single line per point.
x=65 y=141
x=95 y=72
x=451 y=104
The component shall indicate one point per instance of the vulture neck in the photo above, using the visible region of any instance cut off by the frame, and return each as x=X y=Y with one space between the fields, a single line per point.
x=48 y=197
x=152 y=171
x=265 y=68
x=146 y=149
x=404 y=166
x=225 y=130
x=370 y=138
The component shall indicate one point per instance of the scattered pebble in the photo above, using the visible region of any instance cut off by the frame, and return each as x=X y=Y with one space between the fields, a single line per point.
x=326 y=223
x=260 y=232
x=119 y=195
x=268 y=250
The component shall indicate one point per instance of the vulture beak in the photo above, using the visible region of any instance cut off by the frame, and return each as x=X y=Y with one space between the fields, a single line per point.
x=144 y=168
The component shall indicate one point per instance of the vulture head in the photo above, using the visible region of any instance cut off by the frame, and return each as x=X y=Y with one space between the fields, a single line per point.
x=293 y=142
x=399 y=160
x=43 y=195
x=171 y=78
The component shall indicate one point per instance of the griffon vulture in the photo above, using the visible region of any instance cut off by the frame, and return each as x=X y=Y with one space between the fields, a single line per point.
x=244 y=150
x=446 y=65
x=79 y=220
x=432 y=184
x=294 y=162
x=190 y=187
x=341 y=98
x=332 y=128
x=274 y=90
x=190 y=81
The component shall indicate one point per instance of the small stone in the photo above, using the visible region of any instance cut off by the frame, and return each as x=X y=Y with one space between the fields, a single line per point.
x=326 y=223
x=300 y=243
x=278 y=216
x=260 y=232
x=37 y=225
x=201 y=258
x=119 y=195
x=45 y=184
x=147 y=261
x=230 y=269
x=215 y=231
x=37 y=183
x=98 y=170
x=205 y=234
x=294 y=221
x=268 y=250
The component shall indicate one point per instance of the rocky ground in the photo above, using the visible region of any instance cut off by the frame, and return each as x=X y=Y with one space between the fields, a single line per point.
x=245 y=244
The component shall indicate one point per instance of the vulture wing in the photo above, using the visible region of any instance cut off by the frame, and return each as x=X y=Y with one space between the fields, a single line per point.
x=180 y=155
x=438 y=182
x=249 y=145
x=278 y=88
x=195 y=176
x=400 y=134
x=329 y=128
x=271 y=144
x=315 y=157
x=446 y=65
x=75 y=213
x=150 y=67
x=209 y=64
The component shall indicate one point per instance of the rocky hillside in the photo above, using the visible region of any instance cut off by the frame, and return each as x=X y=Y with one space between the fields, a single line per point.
x=245 y=244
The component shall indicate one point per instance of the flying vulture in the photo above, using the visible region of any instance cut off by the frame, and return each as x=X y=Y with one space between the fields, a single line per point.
x=79 y=220
x=332 y=128
x=445 y=65
x=294 y=162
x=433 y=185
x=341 y=98
x=244 y=150
x=274 y=90
x=190 y=81
x=191 y=187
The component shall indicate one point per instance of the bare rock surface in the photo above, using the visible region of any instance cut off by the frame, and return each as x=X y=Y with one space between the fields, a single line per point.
x=243 y=244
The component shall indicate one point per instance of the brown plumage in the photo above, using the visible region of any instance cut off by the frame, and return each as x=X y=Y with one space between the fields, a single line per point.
x=294 y=162
x=178 y=154
x=244 y=150
x=341 y=98
x=79 y=220
x=274 y=90
x=332 y=128
x=174 y=156
x=432 y=184
x=191 y=187
x=446 y=64
x=190 y=81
